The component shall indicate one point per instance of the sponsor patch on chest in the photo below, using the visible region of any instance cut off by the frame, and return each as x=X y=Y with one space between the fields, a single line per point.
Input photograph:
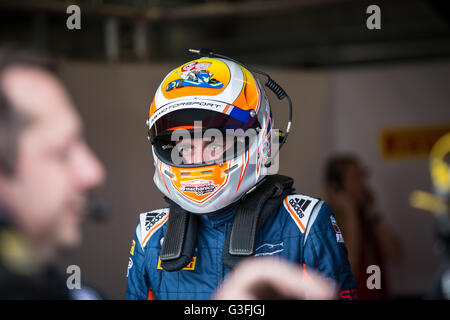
x=300 y=208
x=190 y=266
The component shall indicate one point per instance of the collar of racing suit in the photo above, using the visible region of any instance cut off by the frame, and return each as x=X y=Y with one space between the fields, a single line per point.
x=218 y=219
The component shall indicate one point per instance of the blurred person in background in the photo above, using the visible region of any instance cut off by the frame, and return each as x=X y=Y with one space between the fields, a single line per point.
x=369 y=239
x=46 y=169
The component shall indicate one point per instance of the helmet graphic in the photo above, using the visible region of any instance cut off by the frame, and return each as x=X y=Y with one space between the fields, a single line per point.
x=217 y=106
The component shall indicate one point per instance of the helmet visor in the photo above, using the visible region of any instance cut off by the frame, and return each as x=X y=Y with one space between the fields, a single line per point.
x=198 y=137
x=204 y=119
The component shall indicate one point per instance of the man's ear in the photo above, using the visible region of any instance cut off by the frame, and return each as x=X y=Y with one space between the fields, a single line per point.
x=3 y=180
x=7 y=194
x=6 y=177
x=3 y=191
x=5 y=186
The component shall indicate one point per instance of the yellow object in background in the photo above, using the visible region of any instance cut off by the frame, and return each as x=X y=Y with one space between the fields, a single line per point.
x=440 y=165
x=133 y=244
x=440 y=176
x=427 y=201
x=409 y=142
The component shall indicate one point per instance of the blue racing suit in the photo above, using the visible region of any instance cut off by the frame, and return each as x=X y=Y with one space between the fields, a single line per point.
x=303 y=230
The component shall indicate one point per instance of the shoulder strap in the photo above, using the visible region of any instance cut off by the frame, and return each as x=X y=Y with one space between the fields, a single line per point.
x=179 y=239
x=251 y=215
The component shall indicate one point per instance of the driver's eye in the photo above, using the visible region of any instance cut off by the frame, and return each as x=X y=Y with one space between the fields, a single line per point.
x=184 y=149
x=216 y=147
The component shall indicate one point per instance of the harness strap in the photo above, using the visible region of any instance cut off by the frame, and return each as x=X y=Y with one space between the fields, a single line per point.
x=180 y=238
x=251 y=215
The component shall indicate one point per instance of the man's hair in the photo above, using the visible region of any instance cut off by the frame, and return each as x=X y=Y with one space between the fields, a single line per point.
x=335 y=169
x=12 y=122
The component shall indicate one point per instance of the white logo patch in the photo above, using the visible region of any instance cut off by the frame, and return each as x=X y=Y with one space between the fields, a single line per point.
x=300 y=208
x=150 y=222
x=271 y=249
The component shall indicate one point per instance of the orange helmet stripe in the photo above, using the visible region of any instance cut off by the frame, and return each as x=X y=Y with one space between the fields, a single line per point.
x=183 y=127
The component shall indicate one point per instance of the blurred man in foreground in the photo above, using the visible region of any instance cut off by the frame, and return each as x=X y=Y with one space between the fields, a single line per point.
x=46 y=169
x=271 y=278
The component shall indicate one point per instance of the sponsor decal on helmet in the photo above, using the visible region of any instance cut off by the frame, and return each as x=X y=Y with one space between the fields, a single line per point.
x=195 y=66
x=199 y=186
x=188 y=104
x=199 y=77
x=204 y=183
x=195 y=74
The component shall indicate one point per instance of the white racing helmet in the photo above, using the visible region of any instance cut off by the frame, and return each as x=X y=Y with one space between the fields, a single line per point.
x=218 y=105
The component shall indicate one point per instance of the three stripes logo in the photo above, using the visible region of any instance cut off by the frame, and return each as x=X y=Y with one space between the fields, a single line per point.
x=152 y=218
x=299 y=206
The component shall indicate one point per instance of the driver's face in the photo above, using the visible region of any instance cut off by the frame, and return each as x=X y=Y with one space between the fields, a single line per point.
x=199 y=150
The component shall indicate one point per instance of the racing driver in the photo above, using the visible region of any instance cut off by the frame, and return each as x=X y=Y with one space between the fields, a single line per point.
x=211 y=131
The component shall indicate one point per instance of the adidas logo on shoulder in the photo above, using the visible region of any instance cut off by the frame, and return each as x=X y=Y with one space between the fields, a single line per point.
x=153 y=217
x=300 y=208
x=150 y=222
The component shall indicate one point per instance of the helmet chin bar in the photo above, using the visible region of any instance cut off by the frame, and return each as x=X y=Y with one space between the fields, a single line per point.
x=271 y=84
x=171 y=181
